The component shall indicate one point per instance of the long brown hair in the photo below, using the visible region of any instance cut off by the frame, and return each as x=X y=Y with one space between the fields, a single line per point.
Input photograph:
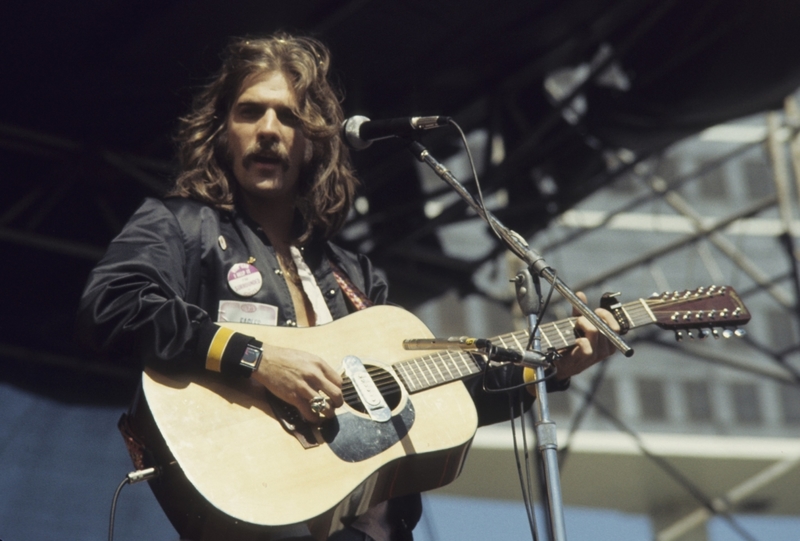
x=327 y=184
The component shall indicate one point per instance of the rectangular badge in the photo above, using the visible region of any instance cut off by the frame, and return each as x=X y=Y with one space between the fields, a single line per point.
x=248 y=312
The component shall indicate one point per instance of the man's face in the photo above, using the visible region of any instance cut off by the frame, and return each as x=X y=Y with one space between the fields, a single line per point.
x=265 y=142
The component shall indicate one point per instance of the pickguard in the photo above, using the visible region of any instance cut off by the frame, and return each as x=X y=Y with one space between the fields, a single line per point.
x=353 y=437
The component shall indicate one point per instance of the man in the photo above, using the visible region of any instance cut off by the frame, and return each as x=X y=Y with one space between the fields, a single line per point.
x=265 y=182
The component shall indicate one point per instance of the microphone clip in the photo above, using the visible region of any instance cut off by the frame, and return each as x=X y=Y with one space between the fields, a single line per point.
x=483 y=346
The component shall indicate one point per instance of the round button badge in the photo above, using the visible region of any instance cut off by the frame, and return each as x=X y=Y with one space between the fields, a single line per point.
x=244 y=279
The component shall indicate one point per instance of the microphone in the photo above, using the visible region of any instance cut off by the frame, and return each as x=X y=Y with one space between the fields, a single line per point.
x=525 y=358
x=359 y=132
x=454 y=342
x=479 y=345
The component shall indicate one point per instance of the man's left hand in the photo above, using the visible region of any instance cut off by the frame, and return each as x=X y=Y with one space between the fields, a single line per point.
x=590 y=348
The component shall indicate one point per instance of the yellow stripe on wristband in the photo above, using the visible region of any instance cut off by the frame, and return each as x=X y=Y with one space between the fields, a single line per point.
x=217 y=348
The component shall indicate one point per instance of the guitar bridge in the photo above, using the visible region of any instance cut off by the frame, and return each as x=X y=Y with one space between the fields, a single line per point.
x=293 y=422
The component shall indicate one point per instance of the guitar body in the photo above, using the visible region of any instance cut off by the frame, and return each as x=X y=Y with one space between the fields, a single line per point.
x=233 y=449
x=252 y=475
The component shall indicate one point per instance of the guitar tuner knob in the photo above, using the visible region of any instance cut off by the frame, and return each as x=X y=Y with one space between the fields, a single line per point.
x=702 y=334
x=655 y=295
x=712 y=314
x=727 y=333
x=699 y=315
x=690 y=334
x=687 y=316
x=675 y=316
x=679 y=335
x=715 y=333
x=737 y=312
x=739 y=333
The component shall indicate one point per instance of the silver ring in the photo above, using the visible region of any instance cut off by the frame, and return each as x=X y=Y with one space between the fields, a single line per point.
x=318 y=404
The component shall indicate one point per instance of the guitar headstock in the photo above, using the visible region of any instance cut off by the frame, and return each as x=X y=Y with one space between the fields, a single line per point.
x=703 y=310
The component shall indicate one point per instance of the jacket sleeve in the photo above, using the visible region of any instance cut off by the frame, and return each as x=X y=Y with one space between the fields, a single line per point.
x=135 y=301
x=495 y=407
x=375 y=284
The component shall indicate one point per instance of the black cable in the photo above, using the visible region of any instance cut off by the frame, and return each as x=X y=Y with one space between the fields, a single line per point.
x=525 y=487
x=480 y=201
x=133 y=477
x=124 y=482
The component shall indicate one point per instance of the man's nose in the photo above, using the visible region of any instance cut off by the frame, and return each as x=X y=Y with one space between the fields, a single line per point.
x=268 y=125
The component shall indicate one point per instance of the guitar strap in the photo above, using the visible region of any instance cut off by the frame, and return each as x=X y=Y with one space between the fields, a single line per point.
x=357 y=298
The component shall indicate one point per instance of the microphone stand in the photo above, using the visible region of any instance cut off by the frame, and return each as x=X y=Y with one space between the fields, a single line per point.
x=529 y=298
x=530 y=302
x=520 y=247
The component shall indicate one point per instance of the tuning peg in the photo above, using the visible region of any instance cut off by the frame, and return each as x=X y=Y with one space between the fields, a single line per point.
x=690 y=334
x=678 y=335
x=727 y=333
x=740 y=332
x=703 y=333
x=715 y=333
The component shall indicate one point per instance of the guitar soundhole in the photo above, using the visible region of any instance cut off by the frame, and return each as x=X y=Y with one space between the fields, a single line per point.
x=388 y=386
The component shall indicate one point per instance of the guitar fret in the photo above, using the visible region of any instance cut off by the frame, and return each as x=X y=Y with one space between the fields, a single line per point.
x=572 y=323
x=452 y=364
x=651 y=317
x=520 y=347
x=458 y=362
x=469 y=363
x=420 y=369
x=441 y=378
x=448 y=362
x=410 y=375
x=560 y=336
x=424 y=368
x=546 y=334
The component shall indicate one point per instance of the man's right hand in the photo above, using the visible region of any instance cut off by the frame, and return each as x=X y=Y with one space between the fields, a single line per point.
x=296 y=377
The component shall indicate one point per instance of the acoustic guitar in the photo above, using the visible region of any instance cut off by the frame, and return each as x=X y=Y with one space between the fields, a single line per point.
x=254 y=459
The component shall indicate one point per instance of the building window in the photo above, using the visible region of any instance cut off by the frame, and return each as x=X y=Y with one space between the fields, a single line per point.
x=651 y=399
x=559 y=403
x=712 y=184
x=759 y=179
x=790 y=402
x=606 y=396
x=781 y=329
x=698 y=401
x=746 y=405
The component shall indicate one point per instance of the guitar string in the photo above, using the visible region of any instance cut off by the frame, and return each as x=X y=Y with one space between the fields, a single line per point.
x=439 y=367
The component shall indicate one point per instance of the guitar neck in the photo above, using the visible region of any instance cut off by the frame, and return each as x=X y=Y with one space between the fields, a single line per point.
x=444 y=366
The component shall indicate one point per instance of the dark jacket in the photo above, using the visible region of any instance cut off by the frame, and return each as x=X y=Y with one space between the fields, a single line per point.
x=155 y=294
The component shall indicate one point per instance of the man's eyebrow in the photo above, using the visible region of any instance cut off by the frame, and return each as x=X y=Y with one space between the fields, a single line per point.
x=263 y=104
x=248 y=103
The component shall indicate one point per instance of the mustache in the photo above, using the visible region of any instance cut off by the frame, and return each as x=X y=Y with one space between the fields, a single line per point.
x=274 y=151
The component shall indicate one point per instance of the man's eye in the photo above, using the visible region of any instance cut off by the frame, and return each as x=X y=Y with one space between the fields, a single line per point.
x=288 y=118
x=250 y=113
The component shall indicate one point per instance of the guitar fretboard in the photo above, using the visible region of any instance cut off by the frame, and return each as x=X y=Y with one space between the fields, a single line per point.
x=445 y=366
